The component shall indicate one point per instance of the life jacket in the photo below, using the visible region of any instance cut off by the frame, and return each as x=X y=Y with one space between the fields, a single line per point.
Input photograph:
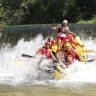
x=72 y=55
x=54 y=48
x=46 y=52
x=69 y=54
x=62 y=29
x=68 y=44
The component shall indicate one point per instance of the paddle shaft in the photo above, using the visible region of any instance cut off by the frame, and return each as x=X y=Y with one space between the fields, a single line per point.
x=29 y=56
x=51 y=31
x=89 y=51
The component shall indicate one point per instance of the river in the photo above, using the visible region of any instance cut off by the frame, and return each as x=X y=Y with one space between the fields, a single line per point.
x=19 y=76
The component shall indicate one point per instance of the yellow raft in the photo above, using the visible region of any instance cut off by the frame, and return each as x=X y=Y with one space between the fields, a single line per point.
x=59 y=73
x=80 y=49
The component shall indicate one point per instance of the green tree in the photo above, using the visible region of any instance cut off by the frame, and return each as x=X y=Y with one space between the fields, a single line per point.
x=13 y=12
x=87 y=8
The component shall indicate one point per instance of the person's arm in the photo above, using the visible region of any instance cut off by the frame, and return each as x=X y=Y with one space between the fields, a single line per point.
x=70 y=32
x=73 y=46
x=39 y=51
x=54 y=28
x=78 y=55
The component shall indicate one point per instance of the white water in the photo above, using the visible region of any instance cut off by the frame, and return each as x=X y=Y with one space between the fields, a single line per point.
x=16 y=69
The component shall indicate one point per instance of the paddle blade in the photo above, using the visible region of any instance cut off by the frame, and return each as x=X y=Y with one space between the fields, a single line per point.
x=91 y=60
x=89 y=51
x=29 y=56
x=19 y=62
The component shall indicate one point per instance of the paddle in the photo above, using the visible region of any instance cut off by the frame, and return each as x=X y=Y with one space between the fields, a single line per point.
x=89 y=51
x=29 y=56
x=24 y=55
x=91 y=60
x=19 y=62
x=51 y=31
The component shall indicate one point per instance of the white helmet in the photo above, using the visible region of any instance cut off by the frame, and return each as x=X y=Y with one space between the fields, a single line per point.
x=65 y=21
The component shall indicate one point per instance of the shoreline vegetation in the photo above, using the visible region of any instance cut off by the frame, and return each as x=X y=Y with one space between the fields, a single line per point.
x=91 y=21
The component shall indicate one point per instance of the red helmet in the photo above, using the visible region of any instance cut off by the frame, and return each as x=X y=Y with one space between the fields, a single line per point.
x=53 y=41
x=69 y=36
x=66 y=40
x=47 y=43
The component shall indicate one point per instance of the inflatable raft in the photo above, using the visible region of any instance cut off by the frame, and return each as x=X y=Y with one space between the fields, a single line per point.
x=80 y=49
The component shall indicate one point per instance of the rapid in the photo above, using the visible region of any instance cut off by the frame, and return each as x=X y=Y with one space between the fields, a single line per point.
x=19 y=76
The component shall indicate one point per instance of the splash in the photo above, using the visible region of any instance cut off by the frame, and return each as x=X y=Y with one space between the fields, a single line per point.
x=16 y=69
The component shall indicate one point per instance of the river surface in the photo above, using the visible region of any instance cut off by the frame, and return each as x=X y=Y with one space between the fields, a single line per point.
x=19 y=75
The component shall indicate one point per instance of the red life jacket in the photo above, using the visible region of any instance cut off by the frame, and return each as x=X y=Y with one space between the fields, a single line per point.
x=72 y=55
x=46 y=52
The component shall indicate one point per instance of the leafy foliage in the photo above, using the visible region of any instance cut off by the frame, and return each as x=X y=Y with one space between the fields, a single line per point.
x=15 y=12
x=91 y=21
